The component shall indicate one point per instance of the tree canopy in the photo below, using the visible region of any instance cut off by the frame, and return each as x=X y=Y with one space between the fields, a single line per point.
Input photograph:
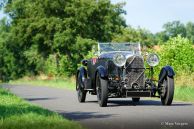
x=130 y=34
x=62 y=28
x=175 y=28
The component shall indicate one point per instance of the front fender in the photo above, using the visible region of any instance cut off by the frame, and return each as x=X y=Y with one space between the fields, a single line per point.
x=82 y=76
x=102 y=72
x=166 y=71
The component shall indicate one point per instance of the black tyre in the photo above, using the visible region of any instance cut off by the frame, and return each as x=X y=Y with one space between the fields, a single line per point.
x=135 y=99
x=167 y=91
x=81 y=93
x=102 y=91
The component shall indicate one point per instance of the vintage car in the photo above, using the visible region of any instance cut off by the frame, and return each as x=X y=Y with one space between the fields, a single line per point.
x=118 y=70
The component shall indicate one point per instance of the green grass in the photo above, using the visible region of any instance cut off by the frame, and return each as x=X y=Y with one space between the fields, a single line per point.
x=16 y=113
x=58 y=83
x=184 y=93
x=184 y=87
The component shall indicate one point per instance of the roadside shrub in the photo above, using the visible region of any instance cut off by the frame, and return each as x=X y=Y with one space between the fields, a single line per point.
x=34 y=61
x=178 y=53
x=58 y=65
x=50 y=67
x=65 y=66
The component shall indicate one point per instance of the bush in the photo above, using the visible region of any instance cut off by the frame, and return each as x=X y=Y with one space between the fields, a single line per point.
x=50 y=67
x=58 y=65
x=178 y=52
x=65 y=66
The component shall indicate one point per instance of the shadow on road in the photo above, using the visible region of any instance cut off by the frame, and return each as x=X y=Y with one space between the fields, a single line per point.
x=84 y=115
x=114 y=103
x=38 y=99
x=158 y=103
x=91 y=101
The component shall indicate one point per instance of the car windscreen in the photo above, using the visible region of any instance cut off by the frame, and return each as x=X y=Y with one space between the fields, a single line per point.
x=127 y=47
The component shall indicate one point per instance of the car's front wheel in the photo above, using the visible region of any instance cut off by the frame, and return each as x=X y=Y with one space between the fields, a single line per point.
x=167 y=92
x=81 y=93
x=102 y=91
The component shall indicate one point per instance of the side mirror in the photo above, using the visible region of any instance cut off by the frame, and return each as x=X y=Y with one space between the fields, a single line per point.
x=84 y=62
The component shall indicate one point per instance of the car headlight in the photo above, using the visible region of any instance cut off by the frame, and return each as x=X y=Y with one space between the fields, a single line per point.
x=119 y=59
x=153 y=60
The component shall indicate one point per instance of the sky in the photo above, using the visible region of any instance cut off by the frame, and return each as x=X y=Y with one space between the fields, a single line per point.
x=1 y=14
x=153 y=14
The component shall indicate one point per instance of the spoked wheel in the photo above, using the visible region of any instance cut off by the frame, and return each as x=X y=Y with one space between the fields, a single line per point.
x=135 y=99
x=102 y=91
x=81 y=93
x=167 y=91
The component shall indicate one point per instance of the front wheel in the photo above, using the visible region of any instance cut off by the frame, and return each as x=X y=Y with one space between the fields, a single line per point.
x=167 y=91
x=81 y=93
x=102 y=91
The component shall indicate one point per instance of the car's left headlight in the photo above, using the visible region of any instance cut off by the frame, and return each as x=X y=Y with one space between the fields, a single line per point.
x=153 y=59
x=119 y=59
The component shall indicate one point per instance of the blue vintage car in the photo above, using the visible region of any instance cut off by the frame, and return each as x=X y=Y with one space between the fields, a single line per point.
x=118 y=70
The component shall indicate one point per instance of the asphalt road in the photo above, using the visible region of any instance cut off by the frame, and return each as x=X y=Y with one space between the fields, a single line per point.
x=120 y=113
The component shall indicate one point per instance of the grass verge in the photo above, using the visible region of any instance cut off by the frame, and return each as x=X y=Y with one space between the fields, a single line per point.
x=68 y=83
x=184 y=93
x=184 y=87
x=16 y=113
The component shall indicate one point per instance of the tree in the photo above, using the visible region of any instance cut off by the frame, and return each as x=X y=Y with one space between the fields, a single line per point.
x=8 y=67
x=130 y=34
x=65 y=27
x=171 y=29
x=190 y=31
x=175 y=28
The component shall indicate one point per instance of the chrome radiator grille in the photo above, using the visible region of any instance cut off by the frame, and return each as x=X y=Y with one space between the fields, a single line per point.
x=135 y=72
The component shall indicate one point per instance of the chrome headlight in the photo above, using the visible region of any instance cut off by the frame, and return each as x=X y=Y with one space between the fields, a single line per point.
x=119 y=59
x=153 y=60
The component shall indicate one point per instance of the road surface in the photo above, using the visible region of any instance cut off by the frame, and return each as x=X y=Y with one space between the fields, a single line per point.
x=120 y=113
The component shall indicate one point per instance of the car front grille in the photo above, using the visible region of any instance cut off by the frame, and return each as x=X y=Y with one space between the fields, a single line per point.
x=135 y=72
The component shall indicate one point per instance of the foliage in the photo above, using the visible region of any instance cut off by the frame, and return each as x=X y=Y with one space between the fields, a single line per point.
x=51 y=65
x=53 y=36
x=185 y=79
x=190 y=31
x=178 y=52
x=18 y=114
x=175 y=28
x=8 y=67
x=130 y=34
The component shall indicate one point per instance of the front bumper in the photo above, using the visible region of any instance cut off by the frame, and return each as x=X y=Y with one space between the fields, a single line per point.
x=138 y=94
